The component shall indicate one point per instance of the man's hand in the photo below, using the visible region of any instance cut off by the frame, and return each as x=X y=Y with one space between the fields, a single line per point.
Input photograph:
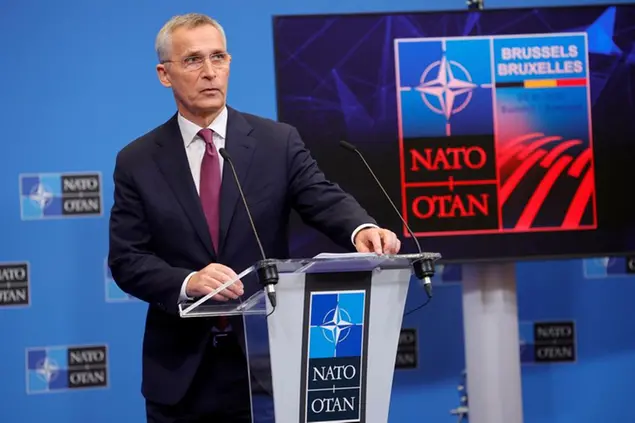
x=211 y=277
x=380 y=241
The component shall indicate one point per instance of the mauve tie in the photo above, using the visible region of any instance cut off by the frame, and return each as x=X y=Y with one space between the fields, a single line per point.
x=210 y=185
x=210 y=195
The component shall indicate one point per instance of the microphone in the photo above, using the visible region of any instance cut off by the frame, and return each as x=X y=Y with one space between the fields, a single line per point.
x=267 y=272
x=423 y=269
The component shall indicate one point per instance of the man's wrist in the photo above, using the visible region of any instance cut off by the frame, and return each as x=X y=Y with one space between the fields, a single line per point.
x=183 y=297
x=359 y=228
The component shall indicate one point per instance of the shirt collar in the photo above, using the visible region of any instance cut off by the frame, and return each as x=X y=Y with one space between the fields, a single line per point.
x=189 y=130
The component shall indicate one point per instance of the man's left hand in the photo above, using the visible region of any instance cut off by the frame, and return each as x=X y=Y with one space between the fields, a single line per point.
x=380 y=241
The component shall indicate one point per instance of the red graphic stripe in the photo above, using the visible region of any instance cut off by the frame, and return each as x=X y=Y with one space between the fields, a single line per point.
x=579 y=202
x=572 y=82
x=519 y=174
x=556 y=151
x=580 y=163
x=534 y=146
x=518 y=140
x=508 y=149
x=540 y=194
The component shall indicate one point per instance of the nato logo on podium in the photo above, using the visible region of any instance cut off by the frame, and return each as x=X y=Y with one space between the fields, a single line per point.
x=334 y=356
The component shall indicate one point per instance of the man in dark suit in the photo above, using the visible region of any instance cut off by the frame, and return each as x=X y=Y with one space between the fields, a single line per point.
x=178 y=229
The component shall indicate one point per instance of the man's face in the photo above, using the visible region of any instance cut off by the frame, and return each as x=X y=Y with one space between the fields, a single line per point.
x=197 y=71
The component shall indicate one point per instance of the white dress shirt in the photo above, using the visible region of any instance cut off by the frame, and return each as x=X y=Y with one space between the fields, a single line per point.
x=195 y=149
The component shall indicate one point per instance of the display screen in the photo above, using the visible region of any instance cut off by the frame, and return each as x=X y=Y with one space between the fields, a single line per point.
x=499 y=134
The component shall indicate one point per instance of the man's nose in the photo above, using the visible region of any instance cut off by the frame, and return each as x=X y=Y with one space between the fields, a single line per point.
x=208 y=69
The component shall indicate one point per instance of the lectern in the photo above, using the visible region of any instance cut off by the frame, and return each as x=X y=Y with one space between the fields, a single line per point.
x=326 y=351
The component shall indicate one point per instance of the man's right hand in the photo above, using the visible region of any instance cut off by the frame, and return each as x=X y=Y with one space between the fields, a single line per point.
x=211 y=277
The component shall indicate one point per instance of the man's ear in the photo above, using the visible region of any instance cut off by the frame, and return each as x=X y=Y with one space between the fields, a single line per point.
x=163 y=76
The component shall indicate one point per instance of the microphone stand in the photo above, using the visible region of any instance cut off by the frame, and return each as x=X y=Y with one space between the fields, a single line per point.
x=267 y=270
x=422 y=268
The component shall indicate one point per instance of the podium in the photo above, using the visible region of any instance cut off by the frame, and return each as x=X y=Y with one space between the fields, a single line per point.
x=326 y=352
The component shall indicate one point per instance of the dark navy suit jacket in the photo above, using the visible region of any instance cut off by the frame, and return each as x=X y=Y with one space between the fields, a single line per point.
x=158 y=233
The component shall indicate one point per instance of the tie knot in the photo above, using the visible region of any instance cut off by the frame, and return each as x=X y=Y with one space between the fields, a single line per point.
x=207 y=135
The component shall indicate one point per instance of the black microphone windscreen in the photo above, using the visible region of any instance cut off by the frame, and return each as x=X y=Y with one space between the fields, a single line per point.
x=348 y=146
x=224 y=154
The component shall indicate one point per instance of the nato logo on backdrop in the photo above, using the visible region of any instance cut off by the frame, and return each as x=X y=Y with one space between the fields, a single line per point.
x=447 y=274
x=65 y=368
x=407 y=349
x=114 y=294
x=15 y=285
x=547 y=342
x=60 y=195
x=608 y=267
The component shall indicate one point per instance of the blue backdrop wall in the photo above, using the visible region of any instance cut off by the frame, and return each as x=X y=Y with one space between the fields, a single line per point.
x=79 y=83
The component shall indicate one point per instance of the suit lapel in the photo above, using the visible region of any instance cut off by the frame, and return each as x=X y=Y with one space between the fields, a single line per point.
x=172 y=161
x=240 y=147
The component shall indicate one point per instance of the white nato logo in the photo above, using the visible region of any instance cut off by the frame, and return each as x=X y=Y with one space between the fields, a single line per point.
x=452 y=88
x=336 y=325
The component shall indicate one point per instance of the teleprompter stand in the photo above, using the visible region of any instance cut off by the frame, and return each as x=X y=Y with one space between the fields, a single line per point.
x=327 y=351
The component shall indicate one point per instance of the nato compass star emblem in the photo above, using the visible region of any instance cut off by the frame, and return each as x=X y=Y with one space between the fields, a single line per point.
x=447 y=87
x=336 y=325
x=41 y=196
x=48 y=370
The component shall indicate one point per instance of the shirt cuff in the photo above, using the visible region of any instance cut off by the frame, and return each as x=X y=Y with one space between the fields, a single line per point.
x=359 y=228
x=183 y=295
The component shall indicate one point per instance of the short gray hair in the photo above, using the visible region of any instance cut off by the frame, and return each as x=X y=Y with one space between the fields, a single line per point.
x=191 y=20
